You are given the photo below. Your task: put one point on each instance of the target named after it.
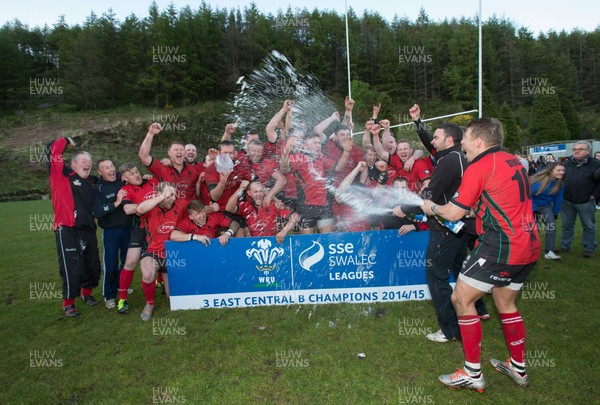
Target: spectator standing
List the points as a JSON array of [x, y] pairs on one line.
[[547, 191], [581, 190]]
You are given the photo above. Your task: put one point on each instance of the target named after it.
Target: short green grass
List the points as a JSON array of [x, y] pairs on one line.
[[295, 354]]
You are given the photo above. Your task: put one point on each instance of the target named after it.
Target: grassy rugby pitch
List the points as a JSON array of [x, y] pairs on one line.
[[294, 354]]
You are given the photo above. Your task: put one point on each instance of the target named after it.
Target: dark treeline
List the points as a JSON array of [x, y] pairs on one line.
[[189, 56]]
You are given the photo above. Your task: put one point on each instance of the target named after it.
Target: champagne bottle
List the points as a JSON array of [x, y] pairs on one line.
[[417, 217], [453, 226]]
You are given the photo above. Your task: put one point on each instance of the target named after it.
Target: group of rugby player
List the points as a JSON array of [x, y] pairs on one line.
[[303, 180]]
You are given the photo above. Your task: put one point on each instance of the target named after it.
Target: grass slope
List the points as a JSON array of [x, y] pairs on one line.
[[295, 354]]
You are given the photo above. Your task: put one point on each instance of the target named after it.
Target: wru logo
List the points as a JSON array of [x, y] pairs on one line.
[[264, 255]]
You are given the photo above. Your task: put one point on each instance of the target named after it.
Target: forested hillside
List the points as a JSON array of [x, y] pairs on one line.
[[174, 59]]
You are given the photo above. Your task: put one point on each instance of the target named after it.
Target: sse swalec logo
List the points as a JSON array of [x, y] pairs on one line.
[[311, 256]]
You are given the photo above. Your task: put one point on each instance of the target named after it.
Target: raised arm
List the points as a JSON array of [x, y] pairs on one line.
[[349, 105], [272, 125], [381, 152], [284, 162], [366, 141], [364, 175], [386, 134], [347, 146], [376, 109], [217, 191], [292, 222], [233, 200], [322, 126], [348, 180], [199, 182], [424, 135], [144, 152], [228, 132], [289, 118], [148, 205], [280, 182]]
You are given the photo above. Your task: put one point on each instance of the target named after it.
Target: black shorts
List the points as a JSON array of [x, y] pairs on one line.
[[315, 215], [161, 262], [291, 203], [484, 274], [138, 238], [235, 217]]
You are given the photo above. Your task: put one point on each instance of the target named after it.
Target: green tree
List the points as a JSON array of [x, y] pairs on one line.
[[86, 83], [567, 108], [365, 98], [547, 123], [13, 80], [512, 132], [460, 75], [489, 106]]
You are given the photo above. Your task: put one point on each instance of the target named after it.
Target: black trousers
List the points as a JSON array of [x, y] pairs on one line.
[[78, 260], [445, 251]]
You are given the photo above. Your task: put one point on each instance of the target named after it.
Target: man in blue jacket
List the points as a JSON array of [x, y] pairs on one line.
[[115, 224]]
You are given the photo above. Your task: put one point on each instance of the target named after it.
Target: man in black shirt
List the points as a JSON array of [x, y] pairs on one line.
[[446, 250]]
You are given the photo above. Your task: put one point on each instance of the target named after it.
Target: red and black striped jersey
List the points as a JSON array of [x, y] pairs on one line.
[[497, 187]]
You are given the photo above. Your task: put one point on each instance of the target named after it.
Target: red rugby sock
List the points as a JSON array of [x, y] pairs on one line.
[[514, 333], [125, 279], [149, 290], [471, 333]]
